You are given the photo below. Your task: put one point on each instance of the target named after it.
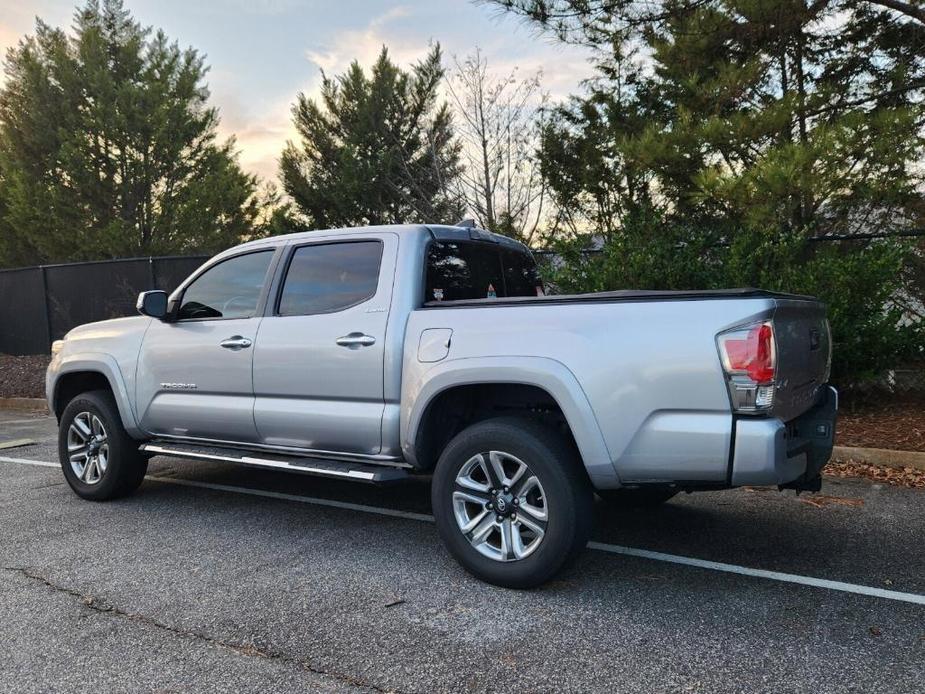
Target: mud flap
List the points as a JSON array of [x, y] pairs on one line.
[[813, 434]]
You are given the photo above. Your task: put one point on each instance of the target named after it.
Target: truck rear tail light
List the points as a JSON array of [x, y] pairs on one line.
[[749, 359], [749, 351]]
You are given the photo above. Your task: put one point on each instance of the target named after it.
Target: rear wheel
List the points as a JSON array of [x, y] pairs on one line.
[[99, 459], [512, 501], [643, 497]]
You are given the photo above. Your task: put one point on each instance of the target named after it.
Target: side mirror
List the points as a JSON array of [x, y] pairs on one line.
[[153, 303]]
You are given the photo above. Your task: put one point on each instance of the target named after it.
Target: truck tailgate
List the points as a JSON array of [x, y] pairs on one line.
[[803, 345]]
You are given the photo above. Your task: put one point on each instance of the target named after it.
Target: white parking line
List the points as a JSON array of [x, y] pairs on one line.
[[761, 573], [315, 501], [599, 546], [23, 461]]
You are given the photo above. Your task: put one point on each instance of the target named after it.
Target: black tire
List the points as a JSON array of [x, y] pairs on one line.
[[642, 498], [568, 499], [125, 468]]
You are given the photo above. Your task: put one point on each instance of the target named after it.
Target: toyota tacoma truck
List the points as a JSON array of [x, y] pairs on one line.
[[372, 354]]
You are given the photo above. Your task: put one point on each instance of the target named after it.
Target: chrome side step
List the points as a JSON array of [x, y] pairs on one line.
[[335, 469]]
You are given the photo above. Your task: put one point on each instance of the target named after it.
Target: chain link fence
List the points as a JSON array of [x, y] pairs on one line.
[[40, 304]]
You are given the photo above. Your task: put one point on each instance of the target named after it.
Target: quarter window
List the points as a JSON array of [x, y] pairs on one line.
[[324, 278], [230, 289]]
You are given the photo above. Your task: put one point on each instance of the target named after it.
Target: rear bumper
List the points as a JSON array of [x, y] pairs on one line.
[[791, 454]]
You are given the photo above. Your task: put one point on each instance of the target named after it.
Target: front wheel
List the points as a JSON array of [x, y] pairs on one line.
[[512, 501], [99, 459]]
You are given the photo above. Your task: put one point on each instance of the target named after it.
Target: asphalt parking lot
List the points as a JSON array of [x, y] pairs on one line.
[[229, 579]]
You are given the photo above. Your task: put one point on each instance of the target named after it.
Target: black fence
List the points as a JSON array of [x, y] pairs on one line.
[[40, 304]]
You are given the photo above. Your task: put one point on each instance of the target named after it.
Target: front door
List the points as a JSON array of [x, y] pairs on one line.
[[194, 374], [318, 361]]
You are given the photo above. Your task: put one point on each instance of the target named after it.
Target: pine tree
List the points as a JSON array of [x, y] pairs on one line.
[[108, 147], [376, 149]]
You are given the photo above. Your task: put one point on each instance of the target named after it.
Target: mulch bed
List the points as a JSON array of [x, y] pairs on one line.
[[899, 426], [23, 377]]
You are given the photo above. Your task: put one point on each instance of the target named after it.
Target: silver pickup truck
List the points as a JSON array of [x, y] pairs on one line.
[[375, 353]]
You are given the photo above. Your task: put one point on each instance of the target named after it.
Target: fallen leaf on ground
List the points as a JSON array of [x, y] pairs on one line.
[[508, 659], [821, 500], [896, 476]]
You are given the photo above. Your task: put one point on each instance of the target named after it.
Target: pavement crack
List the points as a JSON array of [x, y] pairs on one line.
[[100, 606]]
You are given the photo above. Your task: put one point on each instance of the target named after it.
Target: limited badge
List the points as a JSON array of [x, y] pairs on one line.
[[438, 294], [492, 294]]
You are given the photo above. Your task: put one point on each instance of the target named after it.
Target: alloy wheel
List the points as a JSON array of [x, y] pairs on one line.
[[88, 447], [500, 506]]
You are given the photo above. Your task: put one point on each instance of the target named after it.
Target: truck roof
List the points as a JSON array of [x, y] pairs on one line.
[[441, 232]]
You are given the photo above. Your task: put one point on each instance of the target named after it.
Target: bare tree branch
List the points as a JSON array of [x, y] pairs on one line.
[[913, 10], [498, 119]]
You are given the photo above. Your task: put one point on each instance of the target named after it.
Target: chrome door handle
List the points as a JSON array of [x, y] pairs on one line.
[[354, 340], [236, 342]]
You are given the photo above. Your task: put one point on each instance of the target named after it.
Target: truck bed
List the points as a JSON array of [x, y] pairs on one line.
[[623, 295]]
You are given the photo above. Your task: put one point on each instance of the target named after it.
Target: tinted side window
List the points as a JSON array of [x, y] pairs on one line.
[[520, 275], [463, 271], [330, 277], [230, 289]]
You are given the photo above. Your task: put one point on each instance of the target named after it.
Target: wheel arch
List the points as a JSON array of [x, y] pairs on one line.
[[538, 386], [81, 373]]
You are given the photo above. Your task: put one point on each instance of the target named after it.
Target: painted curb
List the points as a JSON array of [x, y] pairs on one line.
[[24, 404], [883, 457]]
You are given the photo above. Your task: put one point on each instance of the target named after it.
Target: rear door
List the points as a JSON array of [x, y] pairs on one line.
[[194, 374], [318, 359]]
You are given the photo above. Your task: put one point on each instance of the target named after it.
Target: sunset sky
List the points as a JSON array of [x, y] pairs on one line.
[[263, 52]]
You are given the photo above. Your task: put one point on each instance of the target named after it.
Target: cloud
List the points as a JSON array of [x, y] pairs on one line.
[[261, 138], [364, 45], [561, 71], [260, 130]]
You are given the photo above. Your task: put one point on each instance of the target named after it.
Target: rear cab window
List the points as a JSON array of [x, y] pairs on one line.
[[460, 270], [521, 277]]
